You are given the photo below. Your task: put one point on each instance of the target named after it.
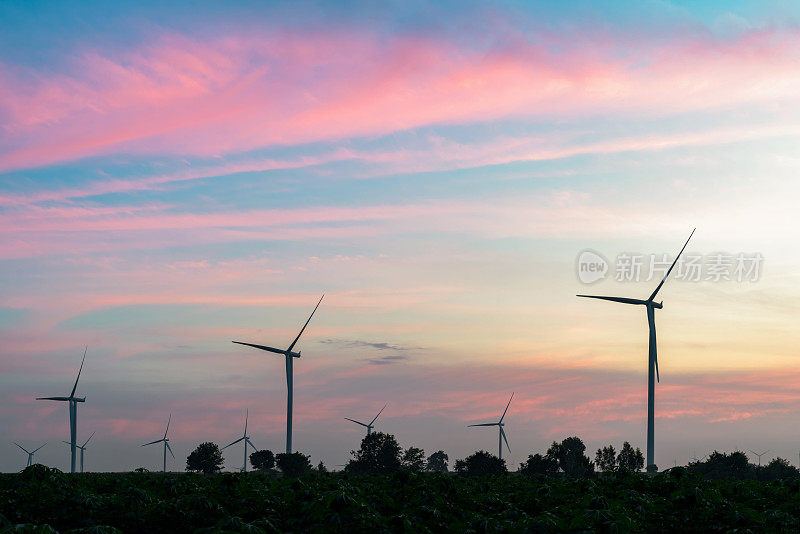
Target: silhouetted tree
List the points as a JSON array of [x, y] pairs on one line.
[[777, 469], [413, 460], [570, 457], [537, 464], [481, 463], [379, 453], [630, 459], [293, 464], [206, 458], [262, 460], [721, 465], [606, 458], [438, 462], [321, 467]]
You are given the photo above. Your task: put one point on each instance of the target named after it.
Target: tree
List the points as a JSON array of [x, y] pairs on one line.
[[206, 458], [481, 463], [262, 460], [777, 469], [379, 453], [570, 457], [606, 458], [413, 460], [321, 467], [537, 464], [721, 465], [630, 459], [438, 462], [293, 464]]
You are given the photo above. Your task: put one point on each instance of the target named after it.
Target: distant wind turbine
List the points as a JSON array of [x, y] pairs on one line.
[[30, 453], [73, 413], [759, 455], [289, 373], [165, 439], [369, 425], [499, 425], [247, 442], [82, 448], [652, 374]]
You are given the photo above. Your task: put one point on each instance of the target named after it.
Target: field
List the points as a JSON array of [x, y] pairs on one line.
[[400, 502]]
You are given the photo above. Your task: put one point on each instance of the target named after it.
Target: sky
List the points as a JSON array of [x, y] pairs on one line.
[[176, 177]]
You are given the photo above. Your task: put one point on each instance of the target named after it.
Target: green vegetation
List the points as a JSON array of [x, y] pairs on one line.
[[206, 458]]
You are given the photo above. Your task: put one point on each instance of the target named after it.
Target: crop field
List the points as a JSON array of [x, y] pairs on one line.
[[45, 500]]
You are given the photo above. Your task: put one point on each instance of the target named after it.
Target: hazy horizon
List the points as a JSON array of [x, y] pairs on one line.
[[174, 178]]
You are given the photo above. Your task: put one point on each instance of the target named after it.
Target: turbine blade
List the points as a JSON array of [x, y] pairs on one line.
[[246, 415], [167, 430], [356, 422], [379, 413], [653, 348], [79, 372], [234, 443], [486, 424], [502, 433], [262, 347], [305, 325], [87, 441], [53, 398], [20, 446], [248, 442], [152, 442], [671, 266], [34, 450], [615, 299], [507, 405], [170, 449]]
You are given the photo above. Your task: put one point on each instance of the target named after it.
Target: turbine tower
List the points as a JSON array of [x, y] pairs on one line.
[[759, 454], [165, 439], [652, 373], [289, 373], [30, 453], [502, 435], [82, 448], [73, 414], [247, 442], [371, 423]]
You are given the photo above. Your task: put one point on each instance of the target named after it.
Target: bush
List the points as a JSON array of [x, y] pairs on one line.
[[293, 464], [262, 460], [481, 463], [537, 464], [437, 462], [206, 458]]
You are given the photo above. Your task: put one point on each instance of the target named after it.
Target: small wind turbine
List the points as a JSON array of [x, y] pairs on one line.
[[289, 373], [370, 425], [166, 444], [73, 413], [759, 455], [30, 453], [652, 373], [247, 442], [82, 448], [499, 425]]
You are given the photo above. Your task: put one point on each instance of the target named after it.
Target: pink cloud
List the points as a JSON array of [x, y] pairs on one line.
[[236, 94]]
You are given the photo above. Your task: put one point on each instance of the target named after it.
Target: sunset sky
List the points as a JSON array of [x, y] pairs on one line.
[[173, 178]]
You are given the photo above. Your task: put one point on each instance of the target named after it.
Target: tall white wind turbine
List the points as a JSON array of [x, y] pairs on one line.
[[29, 453], [369, 426], [165, 439], [652, 373], [289, 355], [246, 440], [759, 454], [82, 448], [72, 401], [502, 435]]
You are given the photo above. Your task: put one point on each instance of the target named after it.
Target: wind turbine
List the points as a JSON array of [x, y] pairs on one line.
[[82, 448], [30, 453], [502, 434], [289, 374], [759, 455], [73, 413], [652, 374], [371, 423], [166, 444], [247, 442]]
